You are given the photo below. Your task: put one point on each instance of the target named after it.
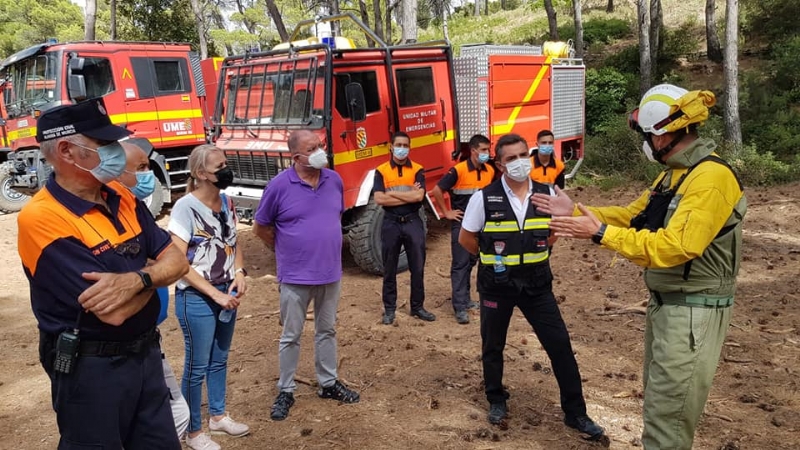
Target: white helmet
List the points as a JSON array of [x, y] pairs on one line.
[[656, 106]]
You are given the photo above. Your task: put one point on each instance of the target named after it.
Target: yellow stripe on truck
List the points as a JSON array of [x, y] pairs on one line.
[[509, 125], [384, 149], [13, 135], [175, 114]]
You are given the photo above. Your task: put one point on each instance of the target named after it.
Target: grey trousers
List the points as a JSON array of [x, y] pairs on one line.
[[294, 300]]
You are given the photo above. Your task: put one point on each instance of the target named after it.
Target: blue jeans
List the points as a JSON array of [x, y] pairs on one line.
[[207, 343]]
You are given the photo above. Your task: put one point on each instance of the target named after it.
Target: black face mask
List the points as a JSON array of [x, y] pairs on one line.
[[224, 178]]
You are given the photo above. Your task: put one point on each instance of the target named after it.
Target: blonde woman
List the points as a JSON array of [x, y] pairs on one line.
[[203, 226]]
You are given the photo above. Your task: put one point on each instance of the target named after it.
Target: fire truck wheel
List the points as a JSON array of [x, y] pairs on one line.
[[156, 201], [365, 239], [10, 200]]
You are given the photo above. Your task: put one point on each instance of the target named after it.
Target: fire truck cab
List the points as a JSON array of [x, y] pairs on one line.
[[154, 89], [355, 98]]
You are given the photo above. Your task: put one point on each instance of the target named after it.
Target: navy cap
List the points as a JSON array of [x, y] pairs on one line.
[[88, 118]]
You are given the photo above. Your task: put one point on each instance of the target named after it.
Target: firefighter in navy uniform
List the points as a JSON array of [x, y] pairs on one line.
[[400, 189], [463, 180], [511, 237]]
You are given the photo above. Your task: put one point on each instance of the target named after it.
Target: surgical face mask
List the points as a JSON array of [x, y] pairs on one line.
[[224, 178], [546, 149], [519, 170], [483, 158], [648, 151], [112, 161], [145, 184], [400, 152], [318, 159]]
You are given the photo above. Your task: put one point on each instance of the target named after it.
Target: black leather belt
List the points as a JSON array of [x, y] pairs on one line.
[[117, 348], [405, 218]]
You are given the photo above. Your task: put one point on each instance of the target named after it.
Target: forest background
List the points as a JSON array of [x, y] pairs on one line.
[[747, 52]]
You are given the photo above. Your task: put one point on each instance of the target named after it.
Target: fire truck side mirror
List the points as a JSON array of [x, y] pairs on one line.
[[356, 105], [76, 84]]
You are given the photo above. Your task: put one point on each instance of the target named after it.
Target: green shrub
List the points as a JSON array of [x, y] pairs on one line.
[[758, 168], [787, 67], [606, 97], [605, 30], [769, 116]]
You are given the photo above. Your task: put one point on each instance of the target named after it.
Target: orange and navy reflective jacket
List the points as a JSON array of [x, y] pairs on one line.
[[552, 173], [62, 236], [391, 176], [463, 180]]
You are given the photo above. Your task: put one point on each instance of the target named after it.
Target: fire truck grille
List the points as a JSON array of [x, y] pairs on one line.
[[256, 168]]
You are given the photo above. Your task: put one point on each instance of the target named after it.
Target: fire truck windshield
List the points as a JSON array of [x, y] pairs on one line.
[[274, 94], [31, 84]]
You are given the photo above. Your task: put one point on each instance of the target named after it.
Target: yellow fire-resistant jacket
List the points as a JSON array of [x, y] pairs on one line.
[[705, 204]]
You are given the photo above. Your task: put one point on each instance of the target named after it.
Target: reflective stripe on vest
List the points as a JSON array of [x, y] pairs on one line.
[[511, 225], [513, 260], [464, 191]]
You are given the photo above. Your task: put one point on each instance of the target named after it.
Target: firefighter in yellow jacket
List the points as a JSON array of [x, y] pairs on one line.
[[686, 231], [399, 187], [463, 180]]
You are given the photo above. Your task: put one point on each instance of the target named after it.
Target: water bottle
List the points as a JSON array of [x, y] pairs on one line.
[[226, 315], [499, 267]]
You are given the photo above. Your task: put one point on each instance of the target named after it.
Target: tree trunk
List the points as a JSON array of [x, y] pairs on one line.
[[197, 11], [408, 10], [376, 9], [610, 6], [333, 9], [477, 8], [713, 47], [485, 7], [733, 127], [362, 7], [576, 4], [90, 19], [445, 28], [113, 25], [645, 75], [390, 7], [656, 22], [552, 23], [277, 19]]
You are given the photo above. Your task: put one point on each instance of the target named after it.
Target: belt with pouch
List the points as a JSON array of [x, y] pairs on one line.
[[695, 300]]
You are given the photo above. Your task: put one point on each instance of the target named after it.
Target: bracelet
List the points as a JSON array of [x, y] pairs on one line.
[[242, 270]]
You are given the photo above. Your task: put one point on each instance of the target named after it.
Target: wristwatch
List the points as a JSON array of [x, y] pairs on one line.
[[242, 270], [146, 280], [597, 238]]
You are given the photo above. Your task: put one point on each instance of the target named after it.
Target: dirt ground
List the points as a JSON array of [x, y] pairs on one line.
[[420, 383]]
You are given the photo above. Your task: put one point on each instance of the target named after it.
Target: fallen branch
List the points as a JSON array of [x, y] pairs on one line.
[[784, 331], [719, 416], [628, 310], [731, 359]]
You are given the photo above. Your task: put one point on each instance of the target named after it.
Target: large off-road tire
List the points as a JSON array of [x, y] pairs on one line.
[[365, 239], [11, 201], [156, 200]]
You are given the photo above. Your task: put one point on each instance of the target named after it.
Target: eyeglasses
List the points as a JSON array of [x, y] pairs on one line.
[[128, 249]]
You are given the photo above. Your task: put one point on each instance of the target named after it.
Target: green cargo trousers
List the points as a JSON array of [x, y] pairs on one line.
[[682, 346]]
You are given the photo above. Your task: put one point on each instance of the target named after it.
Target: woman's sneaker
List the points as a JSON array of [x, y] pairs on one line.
[[201, 442], [228, 426], [339, 392]]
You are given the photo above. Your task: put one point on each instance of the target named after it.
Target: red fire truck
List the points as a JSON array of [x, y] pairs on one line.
[[157, 90], [355, 98]]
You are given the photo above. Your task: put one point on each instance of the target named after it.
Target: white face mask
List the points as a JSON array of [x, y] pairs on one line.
[[648, 151], [519, 170], [318, 159]]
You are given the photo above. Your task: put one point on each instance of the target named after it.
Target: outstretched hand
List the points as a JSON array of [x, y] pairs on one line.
[[579, 227], [558, 205]]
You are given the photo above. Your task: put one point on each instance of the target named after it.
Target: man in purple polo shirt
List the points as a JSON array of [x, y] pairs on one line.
[[299, 217]]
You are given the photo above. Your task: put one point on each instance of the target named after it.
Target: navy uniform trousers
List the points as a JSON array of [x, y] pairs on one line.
[[399, 232]]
